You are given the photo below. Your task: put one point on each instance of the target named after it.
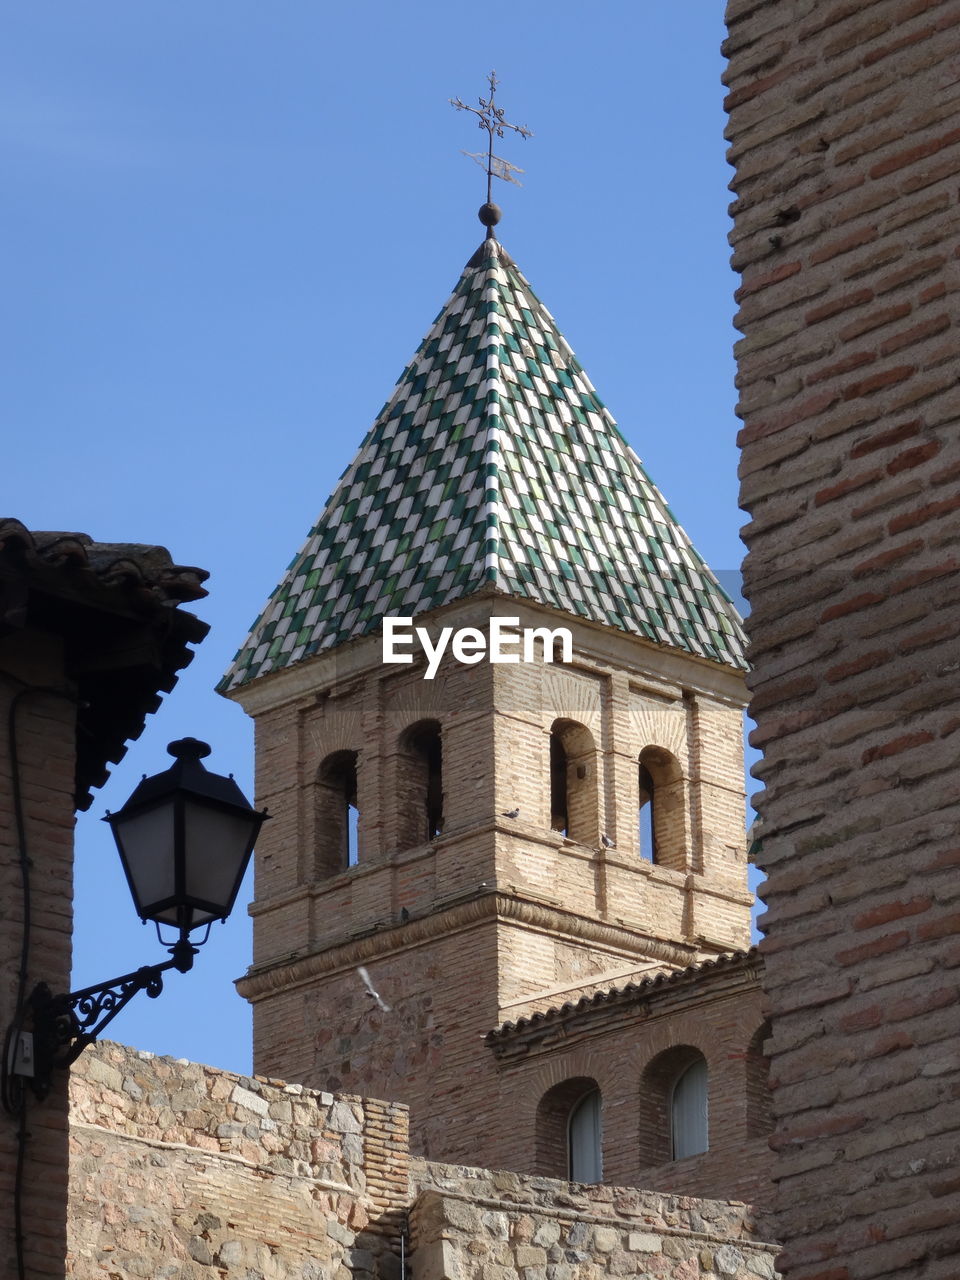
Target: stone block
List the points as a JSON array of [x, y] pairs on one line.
[[644, 1242], [546, 1234], [605, 1239], [250, 1101]]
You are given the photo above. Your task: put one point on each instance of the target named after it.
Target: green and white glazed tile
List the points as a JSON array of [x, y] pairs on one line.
[[494, 463]]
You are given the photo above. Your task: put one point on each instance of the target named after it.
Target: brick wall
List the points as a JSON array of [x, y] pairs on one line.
[[844, 139], [633, 1048], [45, 746], [470, 1224], [184, 1171], [497, 916]]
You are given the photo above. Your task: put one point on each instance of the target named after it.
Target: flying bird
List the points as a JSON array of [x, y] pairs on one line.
[[371, 990], [511, 813]]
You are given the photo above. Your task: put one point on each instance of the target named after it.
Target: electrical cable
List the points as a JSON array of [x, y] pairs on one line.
[[18, 1235], [14, 1092]]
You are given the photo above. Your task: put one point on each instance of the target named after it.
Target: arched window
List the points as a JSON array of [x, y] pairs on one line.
[[663, 837], [648, 848], [673, 1106], [573, 782], [688, 1111], [759, 1100], [337, 815], [419, 784], [569, 1138], [584, 1155], [558, 783]]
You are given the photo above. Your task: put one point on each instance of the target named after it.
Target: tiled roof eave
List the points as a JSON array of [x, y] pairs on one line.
[[116, 610], [661, 985]]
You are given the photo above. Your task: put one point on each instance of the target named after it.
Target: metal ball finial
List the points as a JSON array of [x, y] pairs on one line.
[[489, 214]]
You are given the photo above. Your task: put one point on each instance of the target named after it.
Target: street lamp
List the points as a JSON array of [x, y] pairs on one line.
[[185, 837]]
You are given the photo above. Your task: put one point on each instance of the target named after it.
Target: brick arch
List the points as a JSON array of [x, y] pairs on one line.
[[659, 726], [570, 697], [419, 783], [661, 781], [656, 1088], [554, 1110], [574, 782], [335, 794], [327, 732], [582, 1062]]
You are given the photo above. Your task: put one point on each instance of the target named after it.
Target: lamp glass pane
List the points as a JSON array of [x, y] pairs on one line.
[[146, 842], [216, 845]]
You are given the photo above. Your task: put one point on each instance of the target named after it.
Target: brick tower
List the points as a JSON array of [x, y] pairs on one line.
[[502, 838]]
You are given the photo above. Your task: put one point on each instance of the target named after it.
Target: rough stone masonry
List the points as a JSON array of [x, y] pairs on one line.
[[183, 1172]]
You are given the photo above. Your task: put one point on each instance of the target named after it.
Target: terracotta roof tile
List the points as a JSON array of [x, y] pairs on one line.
[[631, 991], [115, 605]]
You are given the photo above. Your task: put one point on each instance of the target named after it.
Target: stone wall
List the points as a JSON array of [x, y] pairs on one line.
[[844, 138], [470, 1223], [182, 1171], [44, 728]]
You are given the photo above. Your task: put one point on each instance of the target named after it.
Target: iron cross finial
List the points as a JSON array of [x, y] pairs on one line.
[[491, 117]]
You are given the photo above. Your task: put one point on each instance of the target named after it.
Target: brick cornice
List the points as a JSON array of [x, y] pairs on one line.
[[454, 917], [646, 663]]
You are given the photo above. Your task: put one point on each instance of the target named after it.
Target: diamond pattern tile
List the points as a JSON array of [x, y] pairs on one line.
[[493, 462]]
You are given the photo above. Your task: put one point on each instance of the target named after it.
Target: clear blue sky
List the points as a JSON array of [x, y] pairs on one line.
[[227, 227]]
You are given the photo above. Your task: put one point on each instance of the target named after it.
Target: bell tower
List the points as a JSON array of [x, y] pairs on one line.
[[485, 840]]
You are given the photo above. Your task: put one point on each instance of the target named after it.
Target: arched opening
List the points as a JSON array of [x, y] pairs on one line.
[[662, 827], [558, 784], [648, 847], [673, 1107], [569, 1131], [688, 1111], [337, 815], [584, 1150], [573, 782], [759, 1099], [419, 784]]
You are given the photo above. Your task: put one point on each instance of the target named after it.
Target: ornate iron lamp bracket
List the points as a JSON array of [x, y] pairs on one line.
[[65, 1024]]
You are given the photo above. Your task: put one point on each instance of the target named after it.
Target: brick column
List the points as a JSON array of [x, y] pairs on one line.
[[844, 139], [44, 728]]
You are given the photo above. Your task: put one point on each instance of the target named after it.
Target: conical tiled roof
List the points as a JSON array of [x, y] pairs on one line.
[[494, 463]]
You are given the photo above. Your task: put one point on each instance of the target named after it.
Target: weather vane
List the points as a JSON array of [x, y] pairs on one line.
[[491, 117]]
